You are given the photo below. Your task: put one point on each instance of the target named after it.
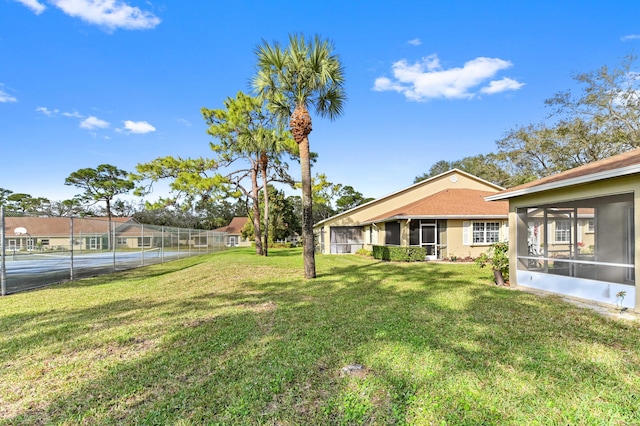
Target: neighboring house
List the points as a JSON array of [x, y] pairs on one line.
[[446, 214], [574, 233], [50, 233], [234, 232], [55, 233]]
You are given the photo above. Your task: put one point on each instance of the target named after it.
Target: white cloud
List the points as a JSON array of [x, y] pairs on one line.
[[503, 85], [34, 5], [630, 37], [92, 122], [110, 14], [74, 114], [185, 122], [138, 127], [46, 111], [415, 42], [427, 79], [56, 113], [5, 97]]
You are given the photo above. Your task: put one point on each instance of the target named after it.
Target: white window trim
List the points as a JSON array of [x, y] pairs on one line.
[[555, 232], [467, 232]]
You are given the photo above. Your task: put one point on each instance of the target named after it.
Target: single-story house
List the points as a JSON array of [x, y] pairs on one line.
[[574, 233], [233, 230], [51, 233], [446, 214], [92, 233]]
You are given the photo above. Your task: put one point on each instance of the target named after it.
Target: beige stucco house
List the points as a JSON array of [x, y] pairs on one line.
[[446, 214], [233, 231], [52, 233], [27, 233], [574, 233]]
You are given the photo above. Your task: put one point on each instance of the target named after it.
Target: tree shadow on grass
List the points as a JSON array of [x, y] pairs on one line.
[[437, 346]]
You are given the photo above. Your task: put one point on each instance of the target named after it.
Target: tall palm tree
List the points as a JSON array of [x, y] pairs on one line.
[[304, 75]]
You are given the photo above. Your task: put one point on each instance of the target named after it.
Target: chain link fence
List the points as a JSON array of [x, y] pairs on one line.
[[39, 251]]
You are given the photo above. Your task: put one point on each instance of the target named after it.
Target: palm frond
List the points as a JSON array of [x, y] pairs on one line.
[[307, 72]]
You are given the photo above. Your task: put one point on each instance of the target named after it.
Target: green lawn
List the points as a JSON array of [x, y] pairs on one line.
[[232, 338]]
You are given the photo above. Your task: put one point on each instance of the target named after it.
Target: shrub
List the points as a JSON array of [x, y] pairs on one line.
[[497, 257], [400, 254], [281, 245], [364, 252]]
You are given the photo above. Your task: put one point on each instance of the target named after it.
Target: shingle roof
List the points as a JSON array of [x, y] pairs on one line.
[[53, 226], [423, 183], [235, 226], [609, 167], [451, 203]]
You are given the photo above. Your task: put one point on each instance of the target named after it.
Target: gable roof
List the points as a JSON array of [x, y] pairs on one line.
[[61, 226], [619, 165], [449, 203], [411, 187], [235, 226]]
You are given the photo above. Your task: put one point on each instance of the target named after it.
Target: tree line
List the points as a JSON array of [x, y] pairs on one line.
[[600, 120]]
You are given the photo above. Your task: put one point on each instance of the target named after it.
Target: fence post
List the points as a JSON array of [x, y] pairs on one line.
[[162, 244], [142, 245], [71, 244], [113, 239], [3, 284]]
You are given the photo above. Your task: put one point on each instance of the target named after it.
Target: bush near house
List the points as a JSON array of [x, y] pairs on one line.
[[497, 256], [400, 254]]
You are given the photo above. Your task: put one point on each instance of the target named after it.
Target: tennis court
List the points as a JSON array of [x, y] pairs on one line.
[[25, 271], [38, 251]]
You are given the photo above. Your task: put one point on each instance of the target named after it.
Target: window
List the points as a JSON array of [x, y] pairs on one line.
[[121, 241], [392, 234], [591, 226], [486, 232], [563, 231], [200, 241], [345, 239], [44, 242], [144, 241]]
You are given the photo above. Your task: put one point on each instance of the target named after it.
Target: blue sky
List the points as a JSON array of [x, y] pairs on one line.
[[86, 82]]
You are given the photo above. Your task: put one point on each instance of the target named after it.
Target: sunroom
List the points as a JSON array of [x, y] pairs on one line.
[[574, 233]]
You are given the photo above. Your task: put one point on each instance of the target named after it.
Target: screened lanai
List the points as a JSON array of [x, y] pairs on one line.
[[591, 239], [574, 232]]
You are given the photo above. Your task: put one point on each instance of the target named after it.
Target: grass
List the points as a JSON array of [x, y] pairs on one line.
[[232, 338]]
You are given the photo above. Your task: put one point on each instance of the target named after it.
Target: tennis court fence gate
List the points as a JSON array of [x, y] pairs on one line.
[[39, 251]]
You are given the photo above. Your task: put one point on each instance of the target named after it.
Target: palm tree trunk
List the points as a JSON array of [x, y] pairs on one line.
[[307, 214]]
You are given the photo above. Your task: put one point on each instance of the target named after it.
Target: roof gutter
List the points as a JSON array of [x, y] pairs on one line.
[[409, 218], [608, 174]]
